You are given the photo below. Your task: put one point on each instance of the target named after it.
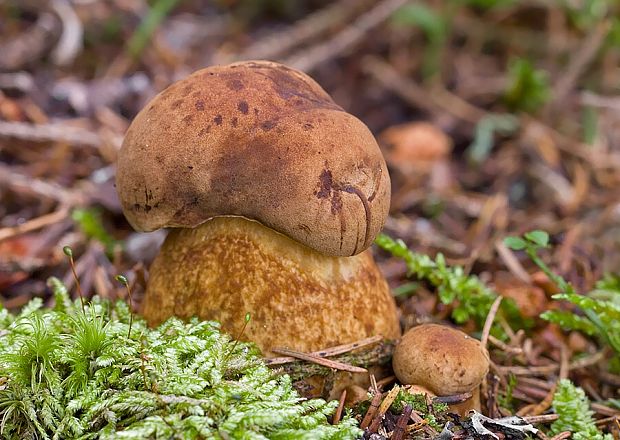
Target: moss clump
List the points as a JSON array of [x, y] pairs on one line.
[[572, 405], [68, 373]]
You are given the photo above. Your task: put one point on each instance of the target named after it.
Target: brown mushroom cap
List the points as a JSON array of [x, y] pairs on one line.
[[440, 358], [258, 140]]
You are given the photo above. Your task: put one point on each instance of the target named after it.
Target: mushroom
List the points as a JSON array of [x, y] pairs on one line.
[[443, 360], [274, 193]]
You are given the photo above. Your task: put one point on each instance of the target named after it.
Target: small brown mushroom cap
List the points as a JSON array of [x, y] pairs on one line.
[[258, 140], [440, 358]]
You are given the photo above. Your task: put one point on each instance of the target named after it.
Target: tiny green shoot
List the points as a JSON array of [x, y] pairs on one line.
[[602, 316], [69, 253], [246, 320], [123, 280]]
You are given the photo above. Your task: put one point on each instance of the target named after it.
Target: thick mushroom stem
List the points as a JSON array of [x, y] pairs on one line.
[[445, 361], [298, 298]]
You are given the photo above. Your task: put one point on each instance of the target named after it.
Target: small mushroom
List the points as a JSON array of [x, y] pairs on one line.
[[443, 360], [274, 193]]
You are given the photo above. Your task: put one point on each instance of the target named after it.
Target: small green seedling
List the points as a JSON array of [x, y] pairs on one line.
[[532, 240], [247, 318], [123, 280], [69, 253], [602, 317]]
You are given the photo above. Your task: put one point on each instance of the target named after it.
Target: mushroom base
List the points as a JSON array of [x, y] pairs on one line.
[[297, 297]]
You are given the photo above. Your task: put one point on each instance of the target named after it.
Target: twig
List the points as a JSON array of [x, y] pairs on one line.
[[569, 145], [373, 384], [320, 361], [544, 418], [606, 421], [50, 133], [338, 414], [310, 59], [562, 436], [372, 409], [70, 42], [401, 424], [555, 181], [407, 89], [548, 369], [605, 410], [511, 262], [545, 404], [332, 351], [488, 323], [504, 347], [436, 102], [385, 405], [385, 381], [580, 61], [422, 423], [34, 224], [606, 102], [457, 105], [10, 178], [277, 44], [379, 354], [30, 45], [453, 399]]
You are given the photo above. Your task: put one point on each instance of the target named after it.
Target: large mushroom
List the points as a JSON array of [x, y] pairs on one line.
[[274, 193], [443, 360]]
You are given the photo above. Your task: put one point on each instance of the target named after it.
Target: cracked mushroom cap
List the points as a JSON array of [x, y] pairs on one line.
[[442, 359], [260, 140]]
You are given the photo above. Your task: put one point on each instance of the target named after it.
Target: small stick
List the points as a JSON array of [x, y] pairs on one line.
[[328, 352], [580, 60], [562, 436], [385, 381], [423, 424], [338, 414], [488, 323], [451, 400], [512, 262], [385, 405], [417, 425], [247, 318], [373, 384], [372, 409], [320, 361], [542, 406], [69, 253], [604, 410], [607, 420], [309, 58], [34, 224], [50, 133], [401, 424], [543, 418], [538, 370], [123, 280], [505, 347]]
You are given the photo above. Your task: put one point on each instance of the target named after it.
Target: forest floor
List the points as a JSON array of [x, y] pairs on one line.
[[495, 117]]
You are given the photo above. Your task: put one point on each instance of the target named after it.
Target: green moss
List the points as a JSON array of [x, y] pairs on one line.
[[419, 404], [65, 373], [573, 408]]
